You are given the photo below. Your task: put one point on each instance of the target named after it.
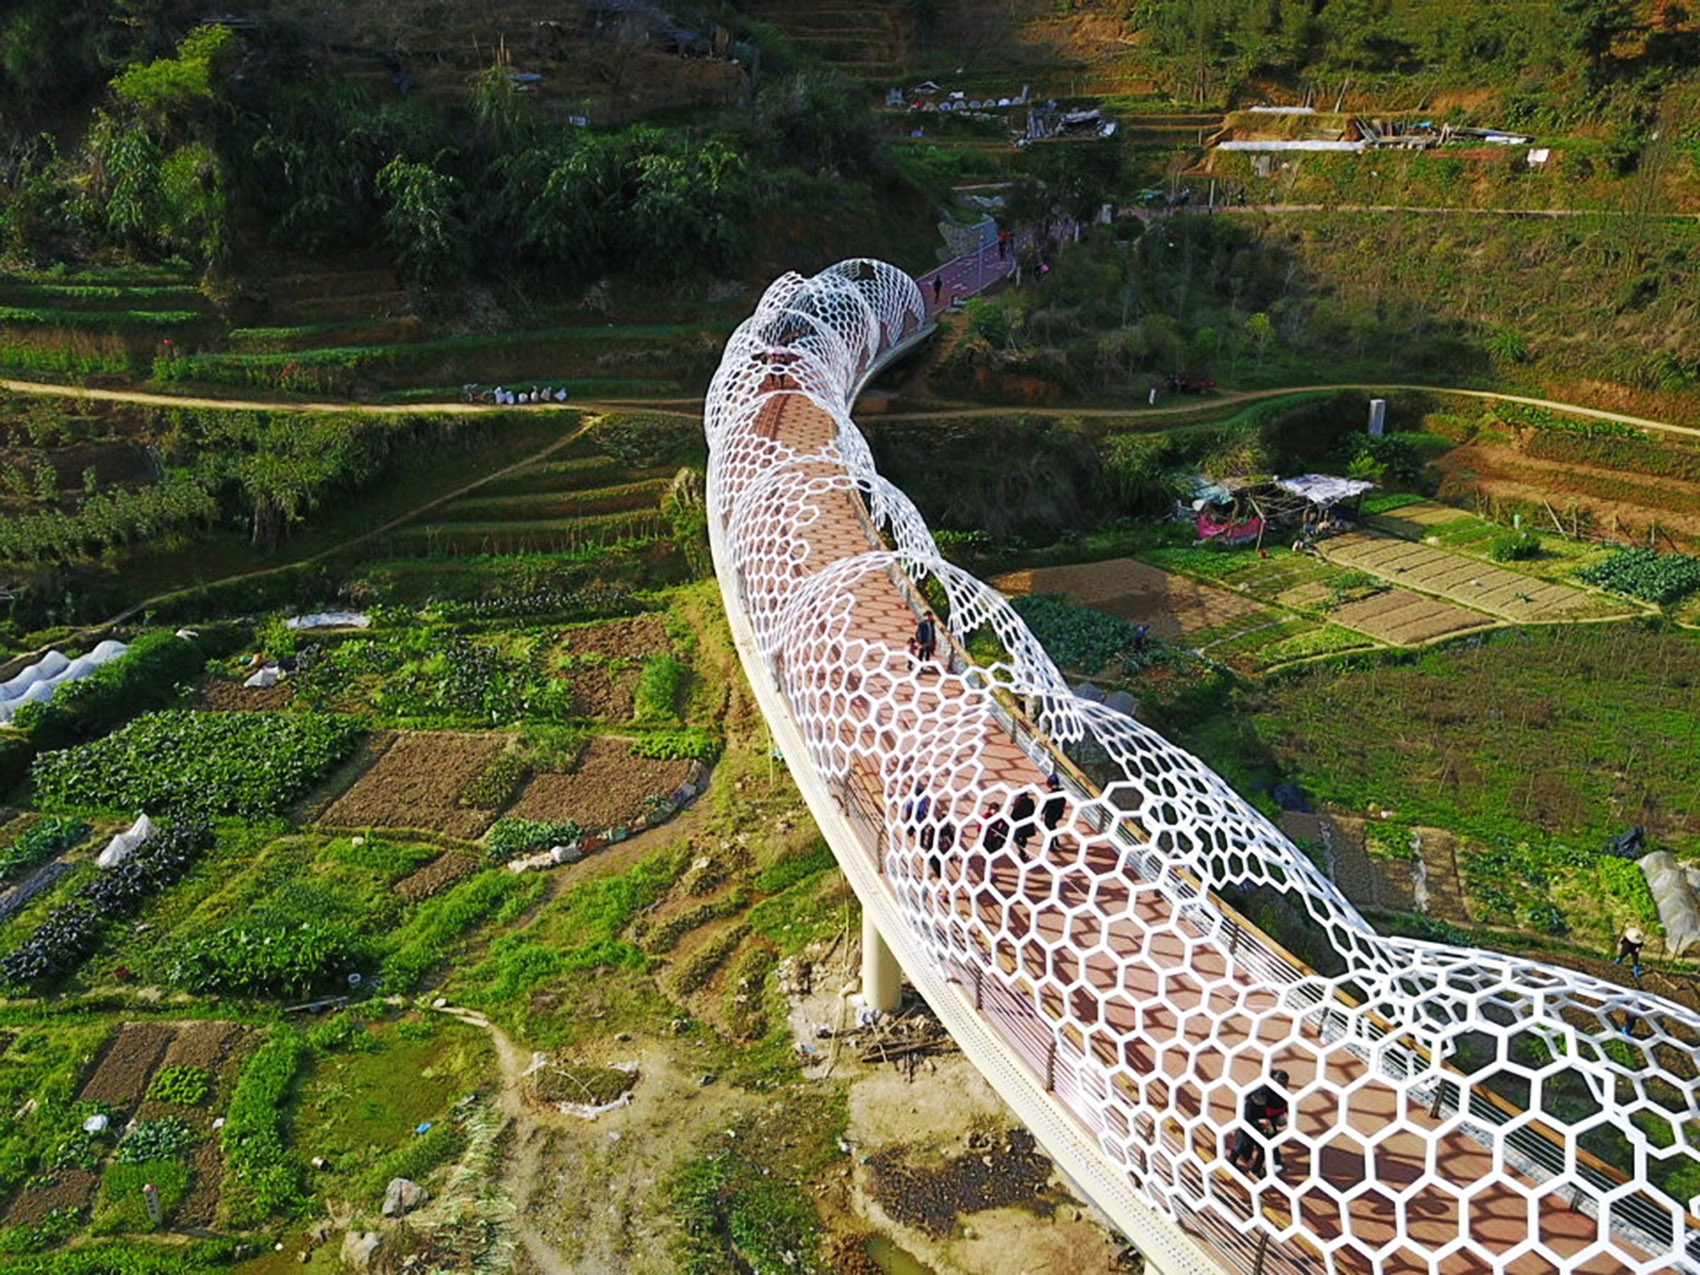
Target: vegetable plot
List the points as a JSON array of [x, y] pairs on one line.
[[73, 929], [1642, 573], [244, 764]]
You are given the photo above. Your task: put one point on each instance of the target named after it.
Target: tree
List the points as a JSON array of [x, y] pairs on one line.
[[171, 88], [1261, 330], [422, 220], [1595, 26]]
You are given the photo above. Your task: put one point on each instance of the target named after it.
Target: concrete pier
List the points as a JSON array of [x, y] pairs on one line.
[[882, 980]]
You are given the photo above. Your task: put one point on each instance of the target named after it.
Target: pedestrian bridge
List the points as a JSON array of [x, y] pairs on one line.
[[1454, 1111]]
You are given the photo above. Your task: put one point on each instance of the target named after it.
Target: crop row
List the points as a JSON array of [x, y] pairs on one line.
[[64, 352], [257, 1171], [109, 520], [1643, 573], [38, 844], [73, 929], [96, 320], [536, 506], [455, 679], [591, 535], [245, 764]]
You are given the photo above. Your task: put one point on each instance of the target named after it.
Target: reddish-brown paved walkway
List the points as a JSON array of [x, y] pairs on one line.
[[1157, 995]]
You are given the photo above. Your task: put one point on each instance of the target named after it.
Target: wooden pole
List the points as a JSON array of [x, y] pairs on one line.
[[1262, 1253]]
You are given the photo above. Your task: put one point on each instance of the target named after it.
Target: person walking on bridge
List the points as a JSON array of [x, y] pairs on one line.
[[1262, 1115]]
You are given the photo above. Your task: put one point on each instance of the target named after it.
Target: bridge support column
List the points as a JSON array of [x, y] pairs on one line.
[[882, 980]]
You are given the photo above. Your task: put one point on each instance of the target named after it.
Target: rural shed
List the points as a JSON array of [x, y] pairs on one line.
[[1324, 490]]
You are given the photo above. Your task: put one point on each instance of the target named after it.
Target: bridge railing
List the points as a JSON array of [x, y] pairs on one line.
[[1069, 1075], [1169, 1153]]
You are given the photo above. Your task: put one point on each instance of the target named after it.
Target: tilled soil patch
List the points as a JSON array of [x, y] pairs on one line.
[[1004, 1173], [439, 874], [123, 1072], [417, 783], [1405, 618], [71, 1189], [209, 1045], [1171, 605], [635, 637], [606, 791], [205, 1044], [603, 693], [224, 696], [200, 1205]]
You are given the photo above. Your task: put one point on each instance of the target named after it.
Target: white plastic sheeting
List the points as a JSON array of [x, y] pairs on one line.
[[1679, 915], [270, 675], [127, 843], [330, 620], [37, 683]]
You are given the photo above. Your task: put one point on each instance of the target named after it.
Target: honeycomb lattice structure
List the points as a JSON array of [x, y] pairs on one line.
[[1451, 1109]]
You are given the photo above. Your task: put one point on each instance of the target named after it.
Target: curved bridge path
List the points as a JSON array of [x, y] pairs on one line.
[[1096, 976]]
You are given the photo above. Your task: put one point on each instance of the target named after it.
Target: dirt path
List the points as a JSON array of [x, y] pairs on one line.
[[524, 1161], [1249, 396], [691, 407]]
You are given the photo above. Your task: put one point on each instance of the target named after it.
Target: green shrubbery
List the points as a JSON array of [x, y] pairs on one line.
[[656, 696], [148, 675], [439, 923], [258, 1178], [122, 1208], [510, 837], [166, 1139], [39, 843], [1515, 546], [1075, 637], [493, 787], [181, 1083], [269, 954], [1624, 881], [677, 745]]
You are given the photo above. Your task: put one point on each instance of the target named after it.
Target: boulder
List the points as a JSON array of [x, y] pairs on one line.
[[359, 1248], [403, 1197]]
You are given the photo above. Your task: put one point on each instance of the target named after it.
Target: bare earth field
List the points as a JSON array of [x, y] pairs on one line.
[[605, 791], [1405, 618], [416, 784], [1623, 504], [1173, 607], [1470, 581], [437, 875]]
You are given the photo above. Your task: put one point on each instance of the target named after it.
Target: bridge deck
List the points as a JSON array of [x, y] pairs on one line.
[[1015, 910]]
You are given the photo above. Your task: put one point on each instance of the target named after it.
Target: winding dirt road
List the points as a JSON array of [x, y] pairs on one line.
[[672, 407]]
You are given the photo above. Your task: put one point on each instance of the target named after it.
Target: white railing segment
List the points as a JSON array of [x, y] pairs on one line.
[[1461, 1109]]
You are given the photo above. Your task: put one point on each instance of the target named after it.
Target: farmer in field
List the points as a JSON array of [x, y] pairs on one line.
[[1629, 949]]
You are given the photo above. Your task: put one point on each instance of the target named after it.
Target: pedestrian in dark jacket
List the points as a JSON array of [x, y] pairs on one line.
[[1262, 1114], [1056, 804], [1021, 814]]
